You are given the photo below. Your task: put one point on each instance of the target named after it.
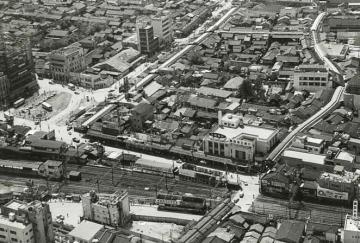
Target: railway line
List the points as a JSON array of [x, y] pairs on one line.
[[315, 213], [137, 181]]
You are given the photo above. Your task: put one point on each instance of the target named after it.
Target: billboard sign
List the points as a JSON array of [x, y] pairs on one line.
[[327, 193]]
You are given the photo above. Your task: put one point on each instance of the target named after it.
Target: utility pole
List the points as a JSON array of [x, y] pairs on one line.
[[112, 173]]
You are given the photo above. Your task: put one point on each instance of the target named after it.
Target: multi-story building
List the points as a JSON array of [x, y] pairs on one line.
[[67, 60], [109, 209], [18, 78], [232, 139], [140, 114], [337, 186], [147, 42], [313, 145], [311, 77], [4, 91], [163, 29], [352, 226], [12, 230], [35, 213]]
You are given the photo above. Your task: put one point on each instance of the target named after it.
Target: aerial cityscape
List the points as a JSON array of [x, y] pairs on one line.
[[191, 121]]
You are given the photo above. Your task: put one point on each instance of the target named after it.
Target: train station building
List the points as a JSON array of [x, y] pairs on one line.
[[234, 139]]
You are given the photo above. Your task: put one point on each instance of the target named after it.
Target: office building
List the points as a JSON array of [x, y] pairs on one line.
[[35, 213], [162, 26], [147, 42], [109, 209], [311, 77], [67, 60], [232, 139], [17, 79]]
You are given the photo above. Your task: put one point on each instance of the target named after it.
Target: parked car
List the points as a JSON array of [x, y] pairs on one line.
[[76, 140]]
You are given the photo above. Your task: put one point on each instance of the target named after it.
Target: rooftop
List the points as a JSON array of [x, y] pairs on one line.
[[346, 177], [259, 132], [351, 223], [15, 205], [305, 156], [86, 230], [14, 224]]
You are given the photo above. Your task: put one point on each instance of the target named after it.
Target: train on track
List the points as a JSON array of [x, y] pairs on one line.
[[185, 203], [188, 172]]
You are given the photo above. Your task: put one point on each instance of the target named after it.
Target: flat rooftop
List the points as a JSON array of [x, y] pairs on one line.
[[305, 156], [86, 230], [13, 224], [259, 132], [14, 205], [352, 224]]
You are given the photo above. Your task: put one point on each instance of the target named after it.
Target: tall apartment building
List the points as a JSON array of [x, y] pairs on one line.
[[311, 77], [109, 209], [67, 60], [18, 74], [26, 222], [147, 42], [4, 91], [162, 26]]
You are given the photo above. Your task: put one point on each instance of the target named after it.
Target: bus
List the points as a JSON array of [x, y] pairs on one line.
[[47, 106], [19, 102], [71, 86]]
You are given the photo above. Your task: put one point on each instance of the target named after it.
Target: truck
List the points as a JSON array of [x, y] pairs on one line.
[[71, 86], [47, 106]]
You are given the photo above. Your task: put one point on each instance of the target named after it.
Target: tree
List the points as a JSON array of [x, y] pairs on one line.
[[246, 90], [195, 59]]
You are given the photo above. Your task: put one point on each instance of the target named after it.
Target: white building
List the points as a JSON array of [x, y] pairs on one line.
[[85, 232], [109, 209], [162, 26], [12, 230], [352, 226], [311, 77], [62, 62], [232, 139], [313, 145], [35, 213]]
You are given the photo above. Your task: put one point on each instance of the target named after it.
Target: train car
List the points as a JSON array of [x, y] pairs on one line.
[[186, 203], [201, 174], [153, 166]]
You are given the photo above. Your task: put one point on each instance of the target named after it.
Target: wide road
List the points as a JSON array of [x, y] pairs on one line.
[[337, 96], [145, 81]]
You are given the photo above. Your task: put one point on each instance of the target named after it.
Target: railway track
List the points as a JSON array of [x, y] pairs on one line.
[[136, 181], [316, 213]]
